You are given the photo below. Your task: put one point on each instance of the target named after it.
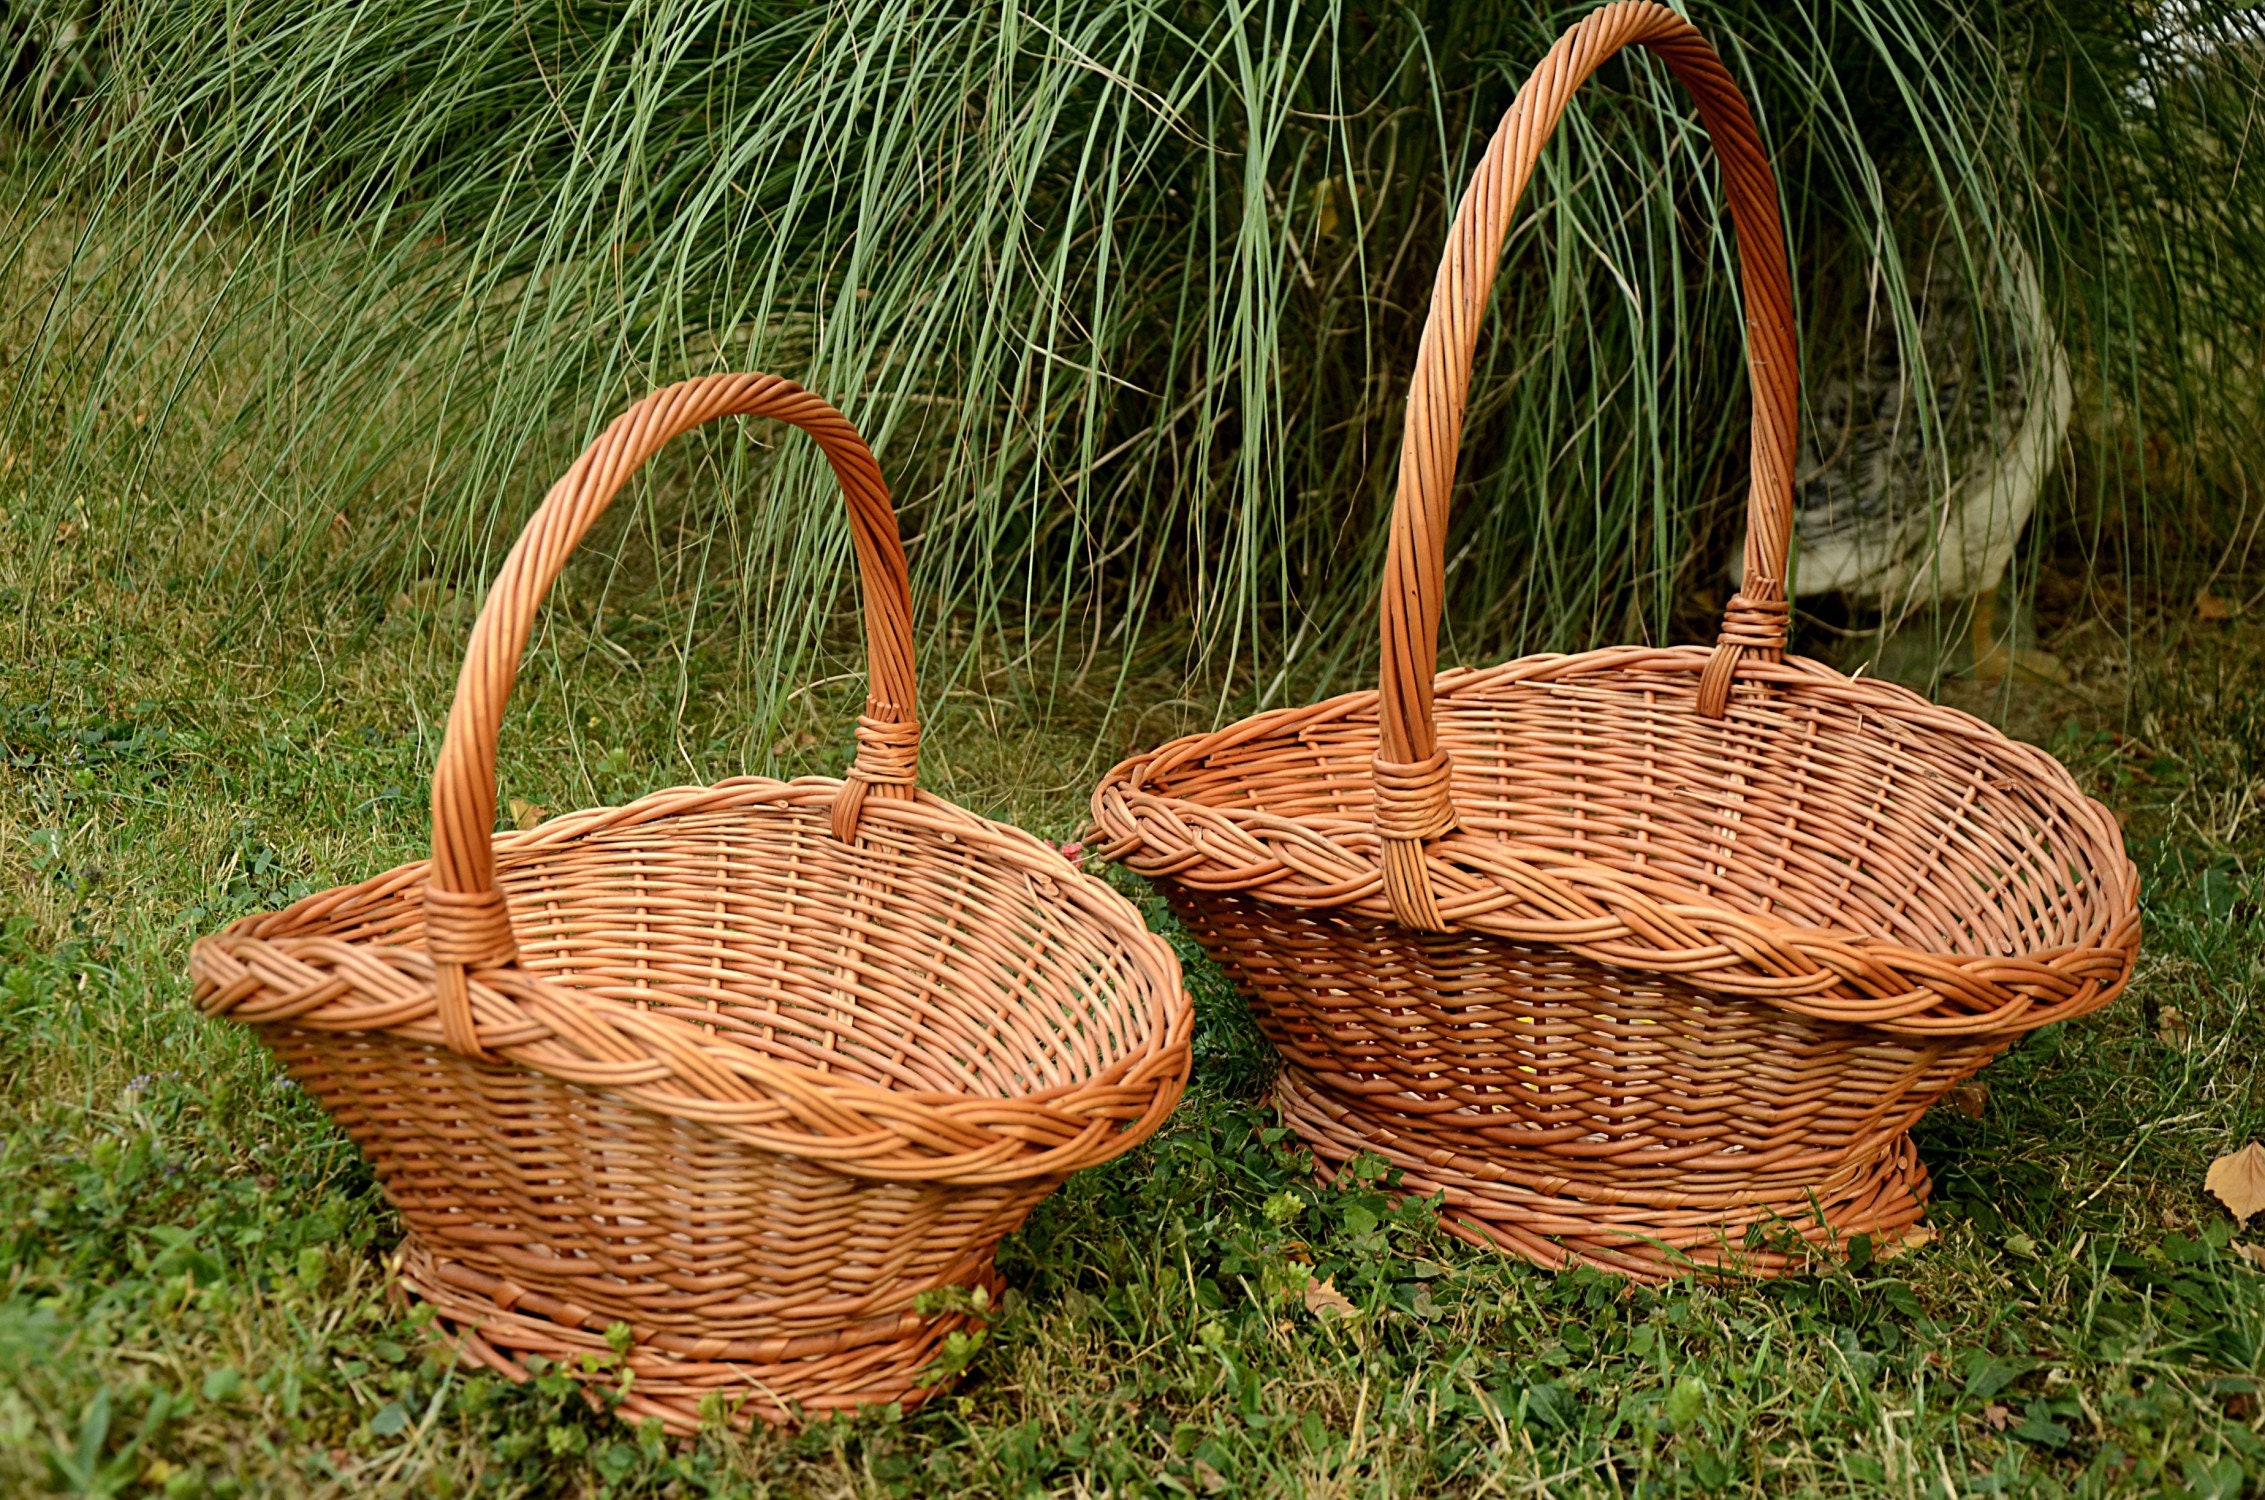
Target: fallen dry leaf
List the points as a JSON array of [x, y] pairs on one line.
[[1324, 1301], [1917, 1237], [1211, 1479], [788, 744], [1997, 1418], [526, 814], [1970, 1099], [2170, 1026], [2238, 1180], [1999, 663], [2254, 1254], [2208, 606]]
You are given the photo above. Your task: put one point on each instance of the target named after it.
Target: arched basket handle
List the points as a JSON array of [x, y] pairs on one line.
[[1414, 801], [466, 924]]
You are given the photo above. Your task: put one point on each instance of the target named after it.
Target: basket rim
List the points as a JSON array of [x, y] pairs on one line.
[[266, 969], [1495, 886]]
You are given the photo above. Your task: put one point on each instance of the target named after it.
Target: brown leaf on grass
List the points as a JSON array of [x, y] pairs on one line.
[[1325, 1302], [2254, 1254], [2208, 606], [1211, 1479], [1969, 1099], [787, 744], [2170, 1026], [1996, 1417], [2238, 1181], [526, 815], [1917, 1237]]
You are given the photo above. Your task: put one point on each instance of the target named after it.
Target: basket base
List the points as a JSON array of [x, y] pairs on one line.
[[1762, 1227], [490, 1326]]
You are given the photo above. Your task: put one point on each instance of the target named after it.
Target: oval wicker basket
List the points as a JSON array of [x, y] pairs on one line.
[[747, 1067], [1645, 958]]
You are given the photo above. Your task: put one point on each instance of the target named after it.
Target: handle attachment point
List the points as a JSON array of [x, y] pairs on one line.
[[888, 755], [1414, 805], [465, 930], [471, 929], [1749, 624]]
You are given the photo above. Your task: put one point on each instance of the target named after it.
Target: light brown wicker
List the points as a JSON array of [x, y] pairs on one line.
[[1646, 958], [747, 1067]]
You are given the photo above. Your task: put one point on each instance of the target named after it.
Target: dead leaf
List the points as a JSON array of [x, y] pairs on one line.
[[2170, 1026], [1325, 1302], [1970, 1099], [2238, 1180], [2208, 606], [787, 744], [1997, 1418], [1999, 663], [2254, 1254], [1211, 1479], [526, 814], [1917, 1237]]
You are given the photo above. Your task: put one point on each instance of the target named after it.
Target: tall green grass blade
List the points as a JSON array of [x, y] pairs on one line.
[[1123, 291]]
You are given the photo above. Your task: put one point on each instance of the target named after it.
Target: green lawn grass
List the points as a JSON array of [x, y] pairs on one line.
[[193, 1262]]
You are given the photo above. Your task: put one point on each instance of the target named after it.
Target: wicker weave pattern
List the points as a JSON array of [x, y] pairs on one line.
[[1630, 951], [746, 1067], [1838, 848]]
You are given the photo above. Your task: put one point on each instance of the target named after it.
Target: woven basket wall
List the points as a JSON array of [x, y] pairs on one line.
[[1645, 958], [746, 1068]]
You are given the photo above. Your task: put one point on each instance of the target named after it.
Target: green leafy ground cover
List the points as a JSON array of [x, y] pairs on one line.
[[192, 1261]]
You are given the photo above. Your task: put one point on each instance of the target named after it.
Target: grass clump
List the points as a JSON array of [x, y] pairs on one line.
[[1125, 293]]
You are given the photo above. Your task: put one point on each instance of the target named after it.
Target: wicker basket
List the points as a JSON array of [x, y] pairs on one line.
[[1644, 958], [747, 1068]]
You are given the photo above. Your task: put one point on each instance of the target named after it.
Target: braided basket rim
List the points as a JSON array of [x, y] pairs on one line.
[[1500, 888], [538, 1023]]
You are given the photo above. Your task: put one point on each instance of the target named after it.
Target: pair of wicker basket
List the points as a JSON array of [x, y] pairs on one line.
[[1643, 958]]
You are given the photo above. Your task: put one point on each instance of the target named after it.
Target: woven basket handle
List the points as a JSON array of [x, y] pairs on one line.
[[1414, 802], [466, 925]]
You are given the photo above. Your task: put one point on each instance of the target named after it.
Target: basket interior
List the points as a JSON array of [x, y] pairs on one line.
[[908, 961], [1858, 807]]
